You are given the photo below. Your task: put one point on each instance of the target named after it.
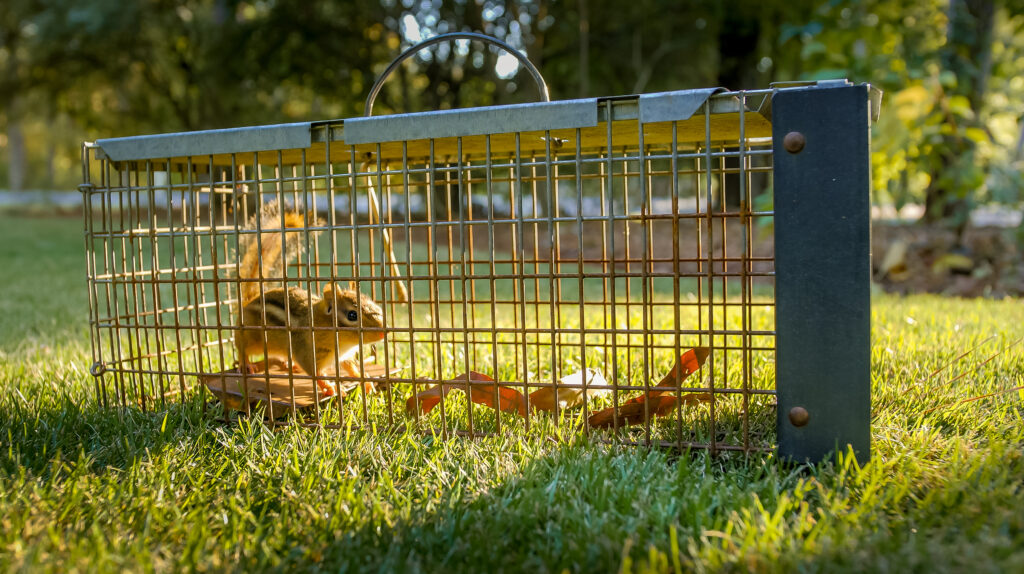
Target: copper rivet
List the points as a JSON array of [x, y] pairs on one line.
[[794, 142], [799, 416]]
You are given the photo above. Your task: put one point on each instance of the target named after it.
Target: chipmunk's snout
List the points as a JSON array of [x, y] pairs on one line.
[[373, 324], [375, 319]]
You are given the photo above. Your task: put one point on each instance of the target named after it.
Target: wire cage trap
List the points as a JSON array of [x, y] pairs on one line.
[[686, 269]]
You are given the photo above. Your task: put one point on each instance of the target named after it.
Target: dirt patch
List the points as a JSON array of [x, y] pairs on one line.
[[928, 259]]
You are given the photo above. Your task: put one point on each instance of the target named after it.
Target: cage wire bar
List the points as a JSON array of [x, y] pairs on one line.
[[580, 247]]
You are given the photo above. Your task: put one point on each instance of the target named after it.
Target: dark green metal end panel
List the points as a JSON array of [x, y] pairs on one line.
[[822, 226]]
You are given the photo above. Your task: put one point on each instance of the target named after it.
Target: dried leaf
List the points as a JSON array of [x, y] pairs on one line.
[[505, 399], [657, 403], [689, 362], [569, 391], [286, 389], [427, 399], [632, 412], [957, 262], [894, 264]]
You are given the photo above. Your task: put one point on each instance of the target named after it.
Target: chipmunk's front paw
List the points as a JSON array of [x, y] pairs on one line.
[[253, 367], [327, 388]]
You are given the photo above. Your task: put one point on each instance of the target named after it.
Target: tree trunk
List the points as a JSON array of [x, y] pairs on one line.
[[968, 55], [535, 49], [584, 49], [738, 41], [51, 169], [1019, 153], [16, 159]]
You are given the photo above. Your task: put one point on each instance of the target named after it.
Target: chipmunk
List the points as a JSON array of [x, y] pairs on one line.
[[311, 321]]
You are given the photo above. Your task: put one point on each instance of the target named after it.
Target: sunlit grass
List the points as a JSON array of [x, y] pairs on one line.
[[87, 488]]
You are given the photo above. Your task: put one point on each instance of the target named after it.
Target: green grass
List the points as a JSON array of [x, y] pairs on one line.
[[90, 489]]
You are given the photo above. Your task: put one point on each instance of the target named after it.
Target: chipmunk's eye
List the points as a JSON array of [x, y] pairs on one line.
[[353, 316]]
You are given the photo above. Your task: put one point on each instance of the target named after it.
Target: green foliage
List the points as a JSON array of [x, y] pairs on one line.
[[950, 122], [950, 131]]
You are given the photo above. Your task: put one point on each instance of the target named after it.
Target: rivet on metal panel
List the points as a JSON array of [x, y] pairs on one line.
[[799, 416], [794, 142], [97, 369]]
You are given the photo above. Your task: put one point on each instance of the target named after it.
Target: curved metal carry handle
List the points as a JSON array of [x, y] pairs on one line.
[[541, 85]]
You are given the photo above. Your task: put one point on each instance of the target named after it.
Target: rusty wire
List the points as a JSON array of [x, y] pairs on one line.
[[525, 265]]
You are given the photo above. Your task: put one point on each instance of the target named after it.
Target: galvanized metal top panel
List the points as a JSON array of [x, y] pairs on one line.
[[673, 106], [234, 140], [517, 118], [473, 121]]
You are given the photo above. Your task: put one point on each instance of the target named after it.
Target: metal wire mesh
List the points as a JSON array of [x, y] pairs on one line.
[[527, 257]]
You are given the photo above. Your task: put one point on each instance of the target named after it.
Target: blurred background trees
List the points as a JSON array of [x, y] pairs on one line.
[[950, 136]]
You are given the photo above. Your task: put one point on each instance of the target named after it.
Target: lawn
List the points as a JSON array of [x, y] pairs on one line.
[[98, 490]]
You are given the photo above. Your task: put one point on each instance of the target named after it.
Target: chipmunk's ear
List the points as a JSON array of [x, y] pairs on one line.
[[329, 296], [352, 285]]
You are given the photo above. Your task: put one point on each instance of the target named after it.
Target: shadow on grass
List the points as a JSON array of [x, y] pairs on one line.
[[44, 431], [413, 502], [585, 509], [577, 507]]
